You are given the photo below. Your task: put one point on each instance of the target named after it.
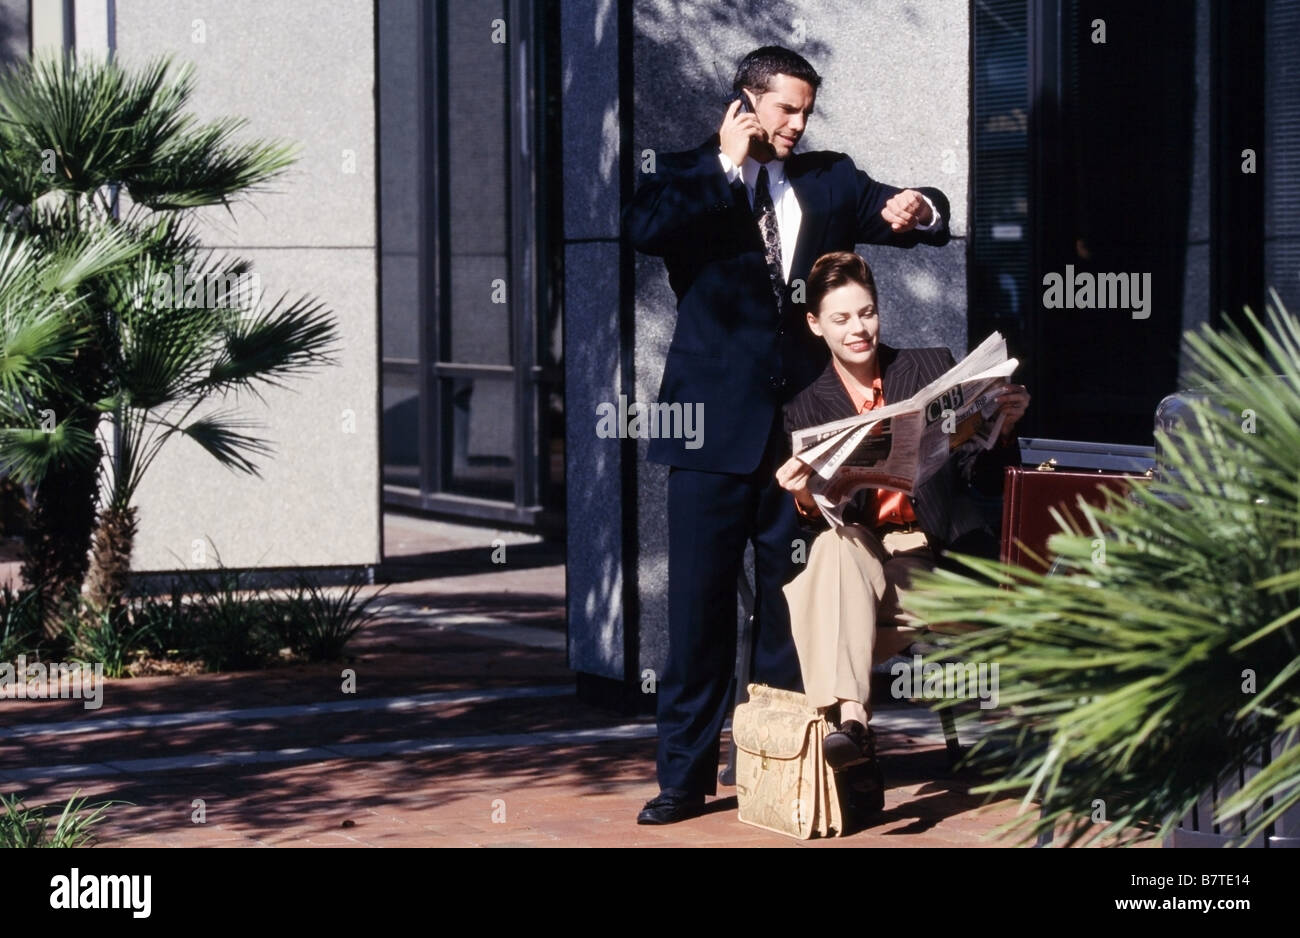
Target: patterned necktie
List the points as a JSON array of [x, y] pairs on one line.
[[765, 213]]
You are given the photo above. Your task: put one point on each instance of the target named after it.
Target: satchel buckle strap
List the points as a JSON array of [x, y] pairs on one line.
[[763, 753]]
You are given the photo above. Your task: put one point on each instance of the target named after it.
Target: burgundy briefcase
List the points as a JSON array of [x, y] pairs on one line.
[[1072, 471]]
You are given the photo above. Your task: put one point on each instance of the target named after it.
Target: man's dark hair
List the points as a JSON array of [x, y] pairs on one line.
[[835, 270], [757, 69]]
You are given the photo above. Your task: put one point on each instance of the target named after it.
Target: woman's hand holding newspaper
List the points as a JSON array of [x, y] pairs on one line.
[[793, 477], [1013, 401]]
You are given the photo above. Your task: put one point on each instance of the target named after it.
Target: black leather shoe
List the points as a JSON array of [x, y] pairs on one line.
[[852, 744], [671, 806], [851, 754]]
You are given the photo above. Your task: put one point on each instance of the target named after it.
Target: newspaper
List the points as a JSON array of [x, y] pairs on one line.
[[900, 446]]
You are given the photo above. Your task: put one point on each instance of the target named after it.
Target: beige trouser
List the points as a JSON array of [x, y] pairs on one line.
[[845, 612]]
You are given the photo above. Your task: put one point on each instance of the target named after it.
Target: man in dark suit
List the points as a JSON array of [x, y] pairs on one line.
[[739, 221]]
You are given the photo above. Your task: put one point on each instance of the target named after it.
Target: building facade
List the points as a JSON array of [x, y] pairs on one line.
[[456, 203]]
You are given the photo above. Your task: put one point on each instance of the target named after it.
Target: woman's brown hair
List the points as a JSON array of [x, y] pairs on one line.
[[835, 270]]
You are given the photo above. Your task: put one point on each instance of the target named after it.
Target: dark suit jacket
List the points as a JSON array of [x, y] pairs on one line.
[[943, 504], [731, 351]]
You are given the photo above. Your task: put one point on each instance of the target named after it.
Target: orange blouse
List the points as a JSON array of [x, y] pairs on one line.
[[890, 507]]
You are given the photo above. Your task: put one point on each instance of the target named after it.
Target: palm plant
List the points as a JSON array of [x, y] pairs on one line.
[[170, 364], [1164, 651], [88, 146], [46, 438]]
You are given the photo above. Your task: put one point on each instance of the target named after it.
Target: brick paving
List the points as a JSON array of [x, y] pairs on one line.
[[508, 783]]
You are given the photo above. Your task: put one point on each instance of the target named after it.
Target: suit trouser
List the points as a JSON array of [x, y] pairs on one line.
[[846, 609], [711, 517]]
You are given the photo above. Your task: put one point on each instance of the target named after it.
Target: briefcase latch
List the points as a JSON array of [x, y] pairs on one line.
[[1048, 466]]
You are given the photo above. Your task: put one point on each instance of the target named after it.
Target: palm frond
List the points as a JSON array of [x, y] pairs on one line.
[[287, 338], [205, 166], [26, 453], [88, 253], [102, 124], [222, 436]]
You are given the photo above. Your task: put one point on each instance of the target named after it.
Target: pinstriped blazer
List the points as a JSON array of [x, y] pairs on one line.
[[944, 508]]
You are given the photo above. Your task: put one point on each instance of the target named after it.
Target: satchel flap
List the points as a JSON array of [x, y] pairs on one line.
[[774, 723]]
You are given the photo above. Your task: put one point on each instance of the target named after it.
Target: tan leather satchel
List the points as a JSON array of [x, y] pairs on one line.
[[782, 781]]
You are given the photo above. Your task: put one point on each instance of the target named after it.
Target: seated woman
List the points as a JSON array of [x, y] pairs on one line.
[[844, 606]]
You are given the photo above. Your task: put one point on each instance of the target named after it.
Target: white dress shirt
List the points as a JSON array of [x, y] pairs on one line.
[[788, 213]]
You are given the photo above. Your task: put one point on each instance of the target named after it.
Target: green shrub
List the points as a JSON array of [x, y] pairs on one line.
[[227, 624], [329, 622], [107, 636], [20, 623], [21, 826]]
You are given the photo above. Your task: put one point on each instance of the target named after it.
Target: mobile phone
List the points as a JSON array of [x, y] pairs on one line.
[[743, 99], [735, 95]]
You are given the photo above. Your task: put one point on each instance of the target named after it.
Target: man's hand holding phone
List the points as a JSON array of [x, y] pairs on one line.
[[737, 130]]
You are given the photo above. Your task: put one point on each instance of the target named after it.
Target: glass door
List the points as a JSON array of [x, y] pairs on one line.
[[471, 353]]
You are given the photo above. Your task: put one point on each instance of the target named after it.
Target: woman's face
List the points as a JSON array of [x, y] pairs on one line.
[[847, 320]]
